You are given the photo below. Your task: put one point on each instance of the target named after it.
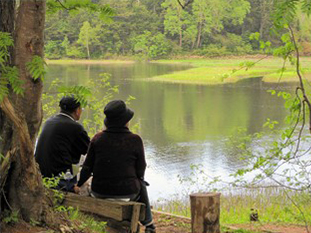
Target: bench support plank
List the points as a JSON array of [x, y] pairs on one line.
[[135, 218], [121, 211]]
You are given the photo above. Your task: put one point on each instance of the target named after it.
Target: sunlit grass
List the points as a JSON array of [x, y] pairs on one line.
[[86, 223], [273, 205], [218, 71], [215, 71]]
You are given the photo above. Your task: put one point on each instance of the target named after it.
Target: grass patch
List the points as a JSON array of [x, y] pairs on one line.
[[225, 229], [214, 71], [273, 206], [86, 223], [217, 71]]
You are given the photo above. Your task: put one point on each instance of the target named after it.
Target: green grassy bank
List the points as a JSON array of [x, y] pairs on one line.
[[226, 70]]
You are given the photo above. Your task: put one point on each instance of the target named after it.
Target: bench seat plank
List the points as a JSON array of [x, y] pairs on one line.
[[118, 210]]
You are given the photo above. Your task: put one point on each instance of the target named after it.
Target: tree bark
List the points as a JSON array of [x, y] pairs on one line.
[[180, 37], [265, 8], [205, 211], [29, 41], [88, 50], [199, 35], [7, 13], [24, 183]]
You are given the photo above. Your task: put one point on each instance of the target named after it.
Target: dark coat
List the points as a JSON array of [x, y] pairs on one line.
[[116, 158], [61, 143]]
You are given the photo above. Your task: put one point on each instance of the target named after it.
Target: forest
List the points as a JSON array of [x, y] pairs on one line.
[[189, 109], [153, 29]]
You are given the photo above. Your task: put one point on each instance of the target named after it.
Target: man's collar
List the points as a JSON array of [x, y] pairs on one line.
[[66, 115]]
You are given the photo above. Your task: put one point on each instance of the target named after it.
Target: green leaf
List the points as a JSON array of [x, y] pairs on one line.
[[81, 93], [37, 67]]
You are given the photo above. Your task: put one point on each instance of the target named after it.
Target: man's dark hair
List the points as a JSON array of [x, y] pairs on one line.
[[69, 104]]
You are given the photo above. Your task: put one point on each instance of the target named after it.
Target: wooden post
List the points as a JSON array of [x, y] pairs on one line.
[[135, 218], [205, 210]]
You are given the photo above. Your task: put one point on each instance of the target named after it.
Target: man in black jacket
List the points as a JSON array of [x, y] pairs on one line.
[[62, 142]]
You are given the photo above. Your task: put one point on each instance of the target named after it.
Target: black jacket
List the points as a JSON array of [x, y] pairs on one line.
[[117, 160], [61, 143]]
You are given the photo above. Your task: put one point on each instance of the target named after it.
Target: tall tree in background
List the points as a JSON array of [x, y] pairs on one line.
[[175, 19], [88, 36], [266, 7], [210, 15]]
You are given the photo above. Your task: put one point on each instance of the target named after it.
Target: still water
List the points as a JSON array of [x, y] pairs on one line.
[[183, 124]]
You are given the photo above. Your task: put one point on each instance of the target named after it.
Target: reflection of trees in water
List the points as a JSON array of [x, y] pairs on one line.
[[189, 115]]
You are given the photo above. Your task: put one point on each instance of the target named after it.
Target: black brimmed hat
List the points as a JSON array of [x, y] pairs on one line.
[[117, 114], [69, 103]]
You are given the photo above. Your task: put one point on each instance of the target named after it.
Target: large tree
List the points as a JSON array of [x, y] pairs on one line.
[[20, 124], [21, 68]]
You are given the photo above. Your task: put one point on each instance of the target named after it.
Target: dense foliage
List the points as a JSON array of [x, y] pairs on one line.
[[158, 28]]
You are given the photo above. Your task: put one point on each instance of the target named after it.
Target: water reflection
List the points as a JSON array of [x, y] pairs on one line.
[[183, 124]]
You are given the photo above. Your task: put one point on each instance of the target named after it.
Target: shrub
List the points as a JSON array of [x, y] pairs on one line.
[[306, 48], [212, 50], [54, 49]]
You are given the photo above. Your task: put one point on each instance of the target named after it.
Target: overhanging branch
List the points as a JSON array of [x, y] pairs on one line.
[[305, 97], [186, 3]]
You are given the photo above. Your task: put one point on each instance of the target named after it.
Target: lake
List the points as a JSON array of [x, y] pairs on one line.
[[183, 124]]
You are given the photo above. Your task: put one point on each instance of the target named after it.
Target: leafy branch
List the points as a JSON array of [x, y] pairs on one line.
[[37, 67], [186, 3], [9, 75], [105, 11]]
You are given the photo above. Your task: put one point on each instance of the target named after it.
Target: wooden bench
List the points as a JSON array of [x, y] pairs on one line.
[[126, 214]]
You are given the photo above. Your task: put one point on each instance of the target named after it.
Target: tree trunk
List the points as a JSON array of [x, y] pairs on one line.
[[29, 41], [199, 35], [7, 12], [180, 37], [265, 8], [25, 190], [205, 211], [88, 49]]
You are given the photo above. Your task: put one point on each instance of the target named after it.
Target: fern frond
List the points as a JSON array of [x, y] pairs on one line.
[[73, 6], [36, 67], [4, 91], [106, 13], [306, 7], [12, 76], [285, 12], [5, 40], [81, 93]]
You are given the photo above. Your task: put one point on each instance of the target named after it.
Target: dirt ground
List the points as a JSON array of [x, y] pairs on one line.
[[167, 223]]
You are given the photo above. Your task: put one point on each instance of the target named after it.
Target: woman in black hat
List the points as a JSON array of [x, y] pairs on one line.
[[116, 158]]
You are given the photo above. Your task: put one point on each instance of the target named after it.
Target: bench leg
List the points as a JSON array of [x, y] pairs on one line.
[[135, 218]]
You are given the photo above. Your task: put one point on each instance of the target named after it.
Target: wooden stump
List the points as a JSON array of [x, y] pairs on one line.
[[205, 210]]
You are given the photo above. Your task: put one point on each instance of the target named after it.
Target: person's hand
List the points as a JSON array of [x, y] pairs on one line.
[[76, 189]]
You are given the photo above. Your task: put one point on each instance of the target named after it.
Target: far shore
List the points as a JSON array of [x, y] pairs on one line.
[[211, 71], [87, 62]]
